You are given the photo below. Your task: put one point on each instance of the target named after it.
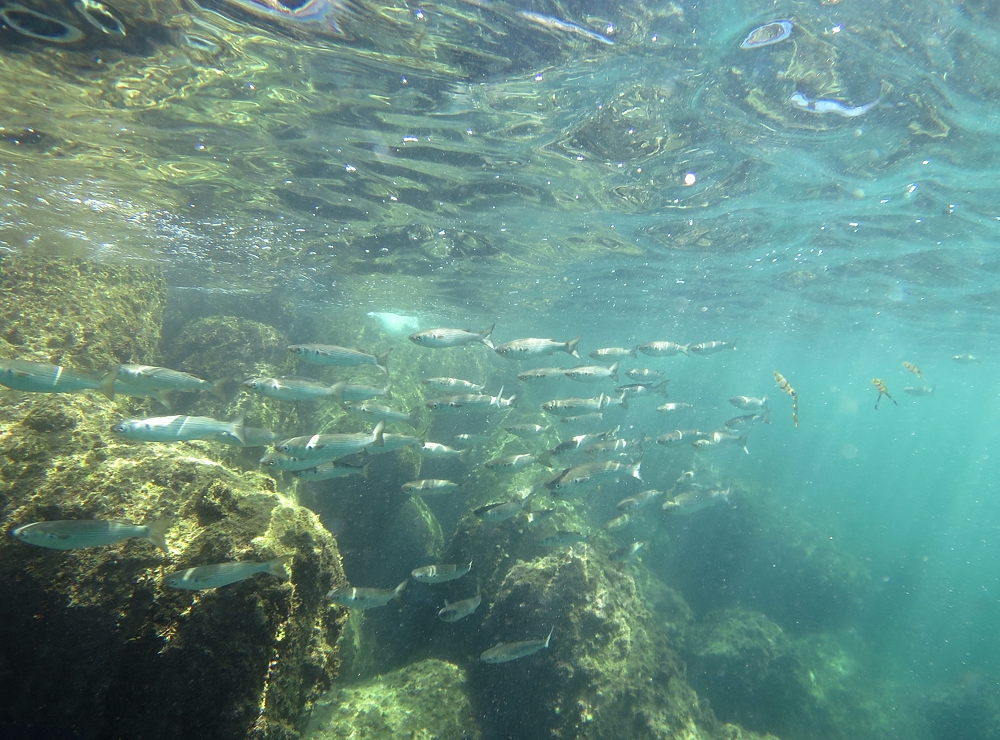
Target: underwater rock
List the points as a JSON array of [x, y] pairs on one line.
[[424, 700]]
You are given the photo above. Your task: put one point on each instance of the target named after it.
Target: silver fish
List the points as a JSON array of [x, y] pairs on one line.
[[204, 577], [514, 650], [740, 425], [593, 373], [510, 463], [710, 348], [522, 349], [427, 486], [330, 354], [583, 421], [610, 353], [331, 446], [41, 377], [527, 431], [255, 437], [77, 533], [473, 439], [619, 522], [452, 337], [293, 389], [365, 598], [644, 374], [179, 428], [679, 436], [643, 389], [374, 412], [960, 359], [469, 402], [578, 406], [696, 499], [454, 384], [574, 447], [639, 501], [440, 573], [585, 477], [330, 470], [919, 390], [749, 403], [721, 439], [542, 373], [561, 538], [660, 349], [455, 610], [802, 102], [281, 461], [355, 392], [674, 406], [437, 451], [151, 379], [502, 511], [615, 448], [558, 24], [393, 442], [628, 552]]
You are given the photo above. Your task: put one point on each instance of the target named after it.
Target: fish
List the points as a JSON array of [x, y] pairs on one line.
[[527, 431], [721, 439], [331, 354], [696, 499], [913, 369], [42, 377], [592, 373], [639, 500], [674, 406], [354, 392], [710, 348], [501, 511], [919, 390], [583, 421], [364, 598], [454, 384], [575, 446], [469, 402], [749, 403], [179, 428], [557, 24], [455, 610], [787, 388], [660, 349], [679, 436], [255, 437], [562, 537], [540, 515], [577, 406], [882, 391], [960, 359], [152, 379], [619, 522], [522, 349], [769, 33], [803, 102], [393, 442], [615, 448], [643, 389], [330, 470], [293, 389], [426, 486], [644, 374], [437, 451], [35, 25], [542, 373], [590, 475], [331, 446], [439, 338], [375, 412], [281, 461], [502, 653], [511, 463], [440, 573], [629, 552], [203, 577], [473, 439], [72, 534], [610, 353], [740, 424]]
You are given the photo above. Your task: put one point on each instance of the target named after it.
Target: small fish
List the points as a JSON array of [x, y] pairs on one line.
[[542, 373], [591, 475], [710, 348], [393, 442], [680, 436], [739, 425], [454, 384], [610, 353], [769, 33], [578, 406], [469, 402], [426, 486], [473, 439], [354, 392], [629, 552], [557, 24], [583, 421], [672, 406], [643, 389], [41, 377], [882, 391], [522, 349], [255, 437], [440, 573], [696, 499], [456, 610], [330, 470], [331, 446], [540, 515], [437, 451], [615, 448], [802, 102], [619, 522], [639, 501], [375, 412], [574, 447], [787, 388], [592, 373], [512, 651], [502, 511], [365, 598], [510, 463], [960, 359], [721, 439], [281, 461], [527, 431], [749, 403], [204, 577], [913, 369], [644, 374], [330, 354], [919, 390], [179, 428], [561, 538], [157, 379], [293, 389], [438, 338], [72, 534], [660, 349]]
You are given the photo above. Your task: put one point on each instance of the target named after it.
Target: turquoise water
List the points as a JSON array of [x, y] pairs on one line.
[[458, 164]]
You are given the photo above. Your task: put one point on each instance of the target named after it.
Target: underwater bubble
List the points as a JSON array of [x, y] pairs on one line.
[[100, 17], [396, 324], [35, 25]]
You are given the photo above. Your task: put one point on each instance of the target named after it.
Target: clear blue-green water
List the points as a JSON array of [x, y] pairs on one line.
[[460, 165]]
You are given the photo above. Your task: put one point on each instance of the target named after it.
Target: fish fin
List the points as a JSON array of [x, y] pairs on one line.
[[486, 334], [387, 391], [219, 388], [364, 470], [108, 383], [509, 401], [397, 594], [239, 428], [614, 370], [158, 531], [571, 346], [377, 434], [547, 639], [766, 416], [734, 344], [623, 401], [634, 352], [661, 389], [500, 395], [276, 567], [464, 455], [382, 360], [165, 398], [743, 443], [414, 417], [337, 389], [685, 349], [545, 458], [635, 471]]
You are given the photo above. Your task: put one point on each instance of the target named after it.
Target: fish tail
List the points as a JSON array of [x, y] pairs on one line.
[[337, 389], [486, 334], [685, 349], [239, 428], [614, 371], [766, 415], [414, 417], [397, 594], [571, 346], [743, 443], [378, 441], [387, 391], [219, 388], [276, 567], [165, 398], [545, 458], [509, 401], [661, 389], [157, 532], [623, 401], [634, 352], [108, 383], [364, 469], [382, 360], [549, 638], [464, 455], [635, 470], [734, 344]]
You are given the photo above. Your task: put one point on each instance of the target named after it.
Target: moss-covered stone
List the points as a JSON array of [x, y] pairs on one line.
[[423, 701]]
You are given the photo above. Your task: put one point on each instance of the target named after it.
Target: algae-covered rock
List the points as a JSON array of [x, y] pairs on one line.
[[419, 702]]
